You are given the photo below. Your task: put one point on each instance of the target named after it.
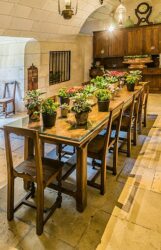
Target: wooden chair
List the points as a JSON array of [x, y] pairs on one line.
[[37, 170], [8, 99], [142, 119], [145, 103], [130, 122], [98, 147]]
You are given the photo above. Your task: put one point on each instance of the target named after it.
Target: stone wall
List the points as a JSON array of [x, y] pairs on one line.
[[81, 58], [12, 66]]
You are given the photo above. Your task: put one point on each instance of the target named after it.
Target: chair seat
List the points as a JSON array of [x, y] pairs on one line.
[[5, 100], [51, 169]]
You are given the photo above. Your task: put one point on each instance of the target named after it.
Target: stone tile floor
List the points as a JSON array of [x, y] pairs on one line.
[[126, 217]]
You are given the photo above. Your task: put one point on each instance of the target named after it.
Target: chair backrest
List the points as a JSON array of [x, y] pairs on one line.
[[10, 89], [138, 99], [130, 107], [27, 134], [115, 115]]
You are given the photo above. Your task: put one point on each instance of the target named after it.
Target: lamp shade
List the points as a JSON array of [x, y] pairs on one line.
[[120, 14]]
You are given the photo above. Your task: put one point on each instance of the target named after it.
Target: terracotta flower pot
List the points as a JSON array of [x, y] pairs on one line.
[[49, 119], [103, 106], [64, 112], [131, 87], [81, 118]]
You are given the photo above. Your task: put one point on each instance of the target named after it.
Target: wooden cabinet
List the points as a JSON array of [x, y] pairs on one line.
[[128, 41], [100, 45], [151, 40], [134, 41], [117, 43]]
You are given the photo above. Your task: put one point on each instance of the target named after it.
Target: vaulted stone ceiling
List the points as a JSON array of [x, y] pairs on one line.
[[101, 18], [40, 18]]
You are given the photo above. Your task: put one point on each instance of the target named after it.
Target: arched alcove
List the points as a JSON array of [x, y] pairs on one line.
[[13, 64]]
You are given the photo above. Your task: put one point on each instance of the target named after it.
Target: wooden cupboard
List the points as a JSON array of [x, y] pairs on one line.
[[128, 41], [151, 40], [100, 44], [116, 41], [134, 41]]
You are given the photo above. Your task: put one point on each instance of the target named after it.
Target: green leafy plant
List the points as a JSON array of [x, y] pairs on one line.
[[89, 89], [33, 100], [81, 104], [137, 73], [112, 79], [131, 79], [63, 93], [100, 82], [103, 94], [49, 106], [65, 106]]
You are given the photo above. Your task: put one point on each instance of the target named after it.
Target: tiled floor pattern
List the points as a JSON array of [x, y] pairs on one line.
[[128, 215]]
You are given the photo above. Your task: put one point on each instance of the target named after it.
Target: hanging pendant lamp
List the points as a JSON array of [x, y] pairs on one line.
[[120, 13]]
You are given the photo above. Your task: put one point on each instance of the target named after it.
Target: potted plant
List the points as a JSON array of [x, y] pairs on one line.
[[103, 96], [81, 108], [89, 91], [100, 82], [131, 80], [64, 110], [33, 102], [137, 73], [64, 96], [49, 113], [74, 90]]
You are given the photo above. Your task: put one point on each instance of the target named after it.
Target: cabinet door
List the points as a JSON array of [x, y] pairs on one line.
[[135, 41], [100, 44], [117, 43], [151, 40]]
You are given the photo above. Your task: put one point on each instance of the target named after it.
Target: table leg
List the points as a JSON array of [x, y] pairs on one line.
[[81, 175]]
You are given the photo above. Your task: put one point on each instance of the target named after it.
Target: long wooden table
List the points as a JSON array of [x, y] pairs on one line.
[[66, 132]]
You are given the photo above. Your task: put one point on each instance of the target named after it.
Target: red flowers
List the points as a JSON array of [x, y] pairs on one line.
[[74, 90], [117, 74]]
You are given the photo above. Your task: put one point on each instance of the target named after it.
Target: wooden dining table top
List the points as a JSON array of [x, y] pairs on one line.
[[66, 130]]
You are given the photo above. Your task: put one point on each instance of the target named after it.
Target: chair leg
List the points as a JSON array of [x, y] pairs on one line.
[[129, 143], [59, 198], [10, 199], [135, 134], [145, 117], [140, 124], [103, 179], [115, 157], [5, 109], [32, 189], [40, 211], [13, 107], [59, 151]]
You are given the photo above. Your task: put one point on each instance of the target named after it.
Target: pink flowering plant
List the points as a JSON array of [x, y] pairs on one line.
[[114, 76], [74, 90]]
